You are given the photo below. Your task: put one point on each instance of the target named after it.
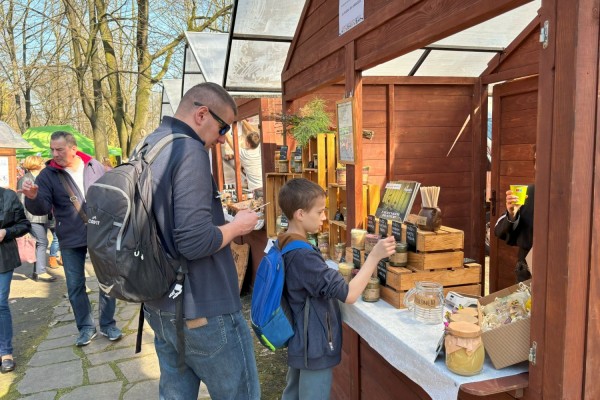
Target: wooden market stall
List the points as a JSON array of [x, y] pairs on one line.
[[565, 312]]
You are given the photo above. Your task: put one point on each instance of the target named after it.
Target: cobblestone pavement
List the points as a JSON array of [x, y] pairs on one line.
[[101, 370]]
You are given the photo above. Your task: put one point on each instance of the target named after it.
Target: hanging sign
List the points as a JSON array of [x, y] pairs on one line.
[[351, 13]]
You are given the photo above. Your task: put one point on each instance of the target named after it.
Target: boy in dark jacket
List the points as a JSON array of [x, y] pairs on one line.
[[314, 351]]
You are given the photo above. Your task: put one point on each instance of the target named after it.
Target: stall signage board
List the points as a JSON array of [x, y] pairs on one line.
[[356, 257], [397, 231], [383, 227], [351, 13], [382, 272], [411, 237], [398, 198], [371, 223]]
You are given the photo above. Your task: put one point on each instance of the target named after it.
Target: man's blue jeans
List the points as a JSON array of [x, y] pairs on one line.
[[74, 266], [6, 330], [220, 354]]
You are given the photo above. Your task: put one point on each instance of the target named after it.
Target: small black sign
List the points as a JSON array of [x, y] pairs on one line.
[[371, 223], [283, 153], [411, 237], [383, 227], [356, 258], [397, 231], [381, 272]]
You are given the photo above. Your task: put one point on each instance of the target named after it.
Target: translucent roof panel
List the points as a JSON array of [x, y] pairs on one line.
[[256, 65], [400, 66], [472, 48], [191, 64], [190, 80], [454, 63], [166, 111], [274, 18], [210, 50], [172, 92]]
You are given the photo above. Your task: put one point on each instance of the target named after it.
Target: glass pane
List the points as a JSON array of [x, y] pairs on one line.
[[256, 64], [454, 63], [191, 64], [400, 66], [166, 111], [190, 80], [172, 92], [268, 17], [210, 50]]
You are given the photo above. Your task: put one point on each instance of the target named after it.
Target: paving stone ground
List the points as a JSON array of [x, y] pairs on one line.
[[102, 370]]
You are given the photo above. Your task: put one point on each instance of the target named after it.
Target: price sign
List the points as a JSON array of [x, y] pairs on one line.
[[411, 237], [371, 224], [356, 258], [397, 231], [381, 272], [383, 227]]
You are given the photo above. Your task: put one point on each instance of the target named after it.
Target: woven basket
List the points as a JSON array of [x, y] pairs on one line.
[[240, 254]]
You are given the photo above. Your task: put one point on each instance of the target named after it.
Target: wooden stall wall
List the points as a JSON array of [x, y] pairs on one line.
[[514, 129], [428, 117]]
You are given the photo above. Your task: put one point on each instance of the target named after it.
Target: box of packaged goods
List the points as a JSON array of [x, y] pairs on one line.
[[504, 317]]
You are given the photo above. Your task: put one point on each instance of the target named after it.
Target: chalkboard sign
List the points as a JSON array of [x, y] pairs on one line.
[[381, 272], [411, 237], [383, 227], [397, 231], [356, 258], [371, 223], [283, 153]]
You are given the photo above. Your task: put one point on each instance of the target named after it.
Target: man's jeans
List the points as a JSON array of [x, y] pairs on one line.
[[6, 329], [74, 266], [220, 354]]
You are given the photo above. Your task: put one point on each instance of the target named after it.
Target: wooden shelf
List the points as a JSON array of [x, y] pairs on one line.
[[311, 169], [338, 223]]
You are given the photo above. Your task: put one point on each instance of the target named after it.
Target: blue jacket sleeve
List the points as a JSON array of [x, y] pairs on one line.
[[42, 204]]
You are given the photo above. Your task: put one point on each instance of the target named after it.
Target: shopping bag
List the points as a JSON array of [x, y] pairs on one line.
[[26, 245]]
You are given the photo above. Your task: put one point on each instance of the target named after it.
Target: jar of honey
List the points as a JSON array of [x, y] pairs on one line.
[[464, 348], [357, 237], [372, 291], [371, 240], [345, 269], [400, 257]]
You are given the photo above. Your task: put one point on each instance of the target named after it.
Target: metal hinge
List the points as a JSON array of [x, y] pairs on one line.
[[544, 34], [532, 353]]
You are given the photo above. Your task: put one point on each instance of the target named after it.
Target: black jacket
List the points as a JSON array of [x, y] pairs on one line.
[[520, 232], [12, 218]]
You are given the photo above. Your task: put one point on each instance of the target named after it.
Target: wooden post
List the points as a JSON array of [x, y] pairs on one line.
[[354, 172]]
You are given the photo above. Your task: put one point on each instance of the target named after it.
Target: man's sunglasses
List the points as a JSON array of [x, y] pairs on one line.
[[223, 126]]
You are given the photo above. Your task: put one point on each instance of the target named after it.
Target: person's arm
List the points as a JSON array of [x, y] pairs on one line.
[[21, 224], [38, 194], [243, 223]]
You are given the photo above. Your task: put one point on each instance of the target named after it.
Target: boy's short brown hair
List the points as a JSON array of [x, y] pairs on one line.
[[299, 194]]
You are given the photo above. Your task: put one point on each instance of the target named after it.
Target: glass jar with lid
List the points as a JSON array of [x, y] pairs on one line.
[[464, 348], [400, 257]]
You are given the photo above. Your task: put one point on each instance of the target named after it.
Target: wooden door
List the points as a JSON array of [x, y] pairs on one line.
[[514, 129]]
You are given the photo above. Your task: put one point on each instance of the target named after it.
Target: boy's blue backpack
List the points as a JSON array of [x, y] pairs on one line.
[[270, 313]]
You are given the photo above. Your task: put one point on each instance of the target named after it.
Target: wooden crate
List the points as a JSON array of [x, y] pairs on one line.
[[444, 239], [401, 278], [396, 297], [274, 182], [436, 260]]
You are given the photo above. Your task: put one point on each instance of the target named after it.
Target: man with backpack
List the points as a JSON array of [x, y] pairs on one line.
[[189, 217], [61, 188]]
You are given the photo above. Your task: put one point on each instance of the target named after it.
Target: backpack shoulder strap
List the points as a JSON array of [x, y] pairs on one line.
[[150, 155], [295, 245]]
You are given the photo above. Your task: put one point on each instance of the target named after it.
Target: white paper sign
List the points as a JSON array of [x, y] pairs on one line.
[[351, 13]]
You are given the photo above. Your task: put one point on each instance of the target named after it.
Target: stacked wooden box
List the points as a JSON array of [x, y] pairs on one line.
[[437, 257]]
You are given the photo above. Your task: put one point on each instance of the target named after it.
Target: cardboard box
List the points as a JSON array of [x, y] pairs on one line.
[[507, 344]]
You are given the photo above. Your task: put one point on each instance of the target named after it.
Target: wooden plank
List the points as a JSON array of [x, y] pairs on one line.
[[436, 260], [395, 298], [400, 278]]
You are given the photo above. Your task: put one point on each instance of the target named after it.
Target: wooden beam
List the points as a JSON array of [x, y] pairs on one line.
[[389, 134], [476, 248], [565, 167], [509, 74]]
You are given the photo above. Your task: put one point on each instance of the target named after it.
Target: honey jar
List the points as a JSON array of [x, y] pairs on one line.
[[400, 257], [345, 270], [357, 237], [464, 348], [371, 240], [339, 250], [371, 292]]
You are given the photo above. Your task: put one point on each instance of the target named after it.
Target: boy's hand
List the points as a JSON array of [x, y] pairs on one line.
[[384, 248], [246, 221]]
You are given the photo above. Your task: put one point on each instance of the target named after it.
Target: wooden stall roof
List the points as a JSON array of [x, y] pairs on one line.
[[316, 56]]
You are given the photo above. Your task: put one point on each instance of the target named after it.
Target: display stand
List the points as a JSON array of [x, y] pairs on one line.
[[322, 150]]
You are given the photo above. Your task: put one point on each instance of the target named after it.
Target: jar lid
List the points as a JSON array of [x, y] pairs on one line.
[[464, 329], [468, 311], [463, 317]]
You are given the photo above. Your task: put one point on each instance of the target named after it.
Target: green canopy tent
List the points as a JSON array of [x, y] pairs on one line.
[[39, 139]]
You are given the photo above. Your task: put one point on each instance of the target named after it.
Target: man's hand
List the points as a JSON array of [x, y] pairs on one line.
[[29, 189], [245, 220], [511, 205]]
